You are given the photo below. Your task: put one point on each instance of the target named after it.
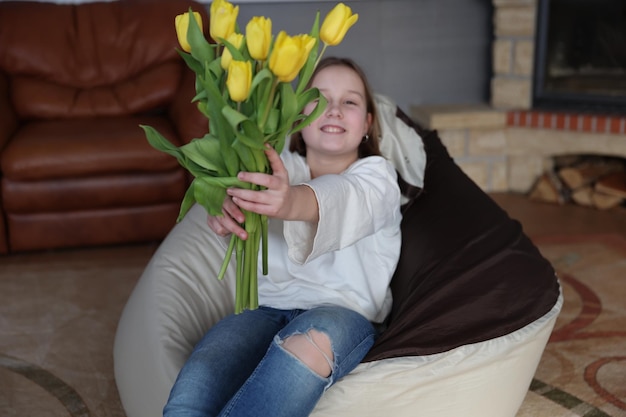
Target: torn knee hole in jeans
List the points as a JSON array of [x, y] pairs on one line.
[[304, 347]]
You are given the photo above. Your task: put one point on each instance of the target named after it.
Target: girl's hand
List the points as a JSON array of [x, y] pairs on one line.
[[229, 222], [279, 199]]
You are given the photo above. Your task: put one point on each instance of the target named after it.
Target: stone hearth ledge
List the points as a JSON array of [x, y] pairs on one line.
[[499, 157]]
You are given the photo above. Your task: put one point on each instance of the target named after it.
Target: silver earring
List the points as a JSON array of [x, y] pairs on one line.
[[365, 138]]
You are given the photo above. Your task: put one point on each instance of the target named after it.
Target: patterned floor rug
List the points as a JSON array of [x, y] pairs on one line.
[[59, 311], [583, 369]]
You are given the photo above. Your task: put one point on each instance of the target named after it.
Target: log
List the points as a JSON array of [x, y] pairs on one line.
[[583, 195], [587, 172], [605, 201], [548, 188], [613, 184]]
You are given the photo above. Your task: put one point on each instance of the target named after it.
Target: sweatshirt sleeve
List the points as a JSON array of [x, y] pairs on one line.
[[357, 203]]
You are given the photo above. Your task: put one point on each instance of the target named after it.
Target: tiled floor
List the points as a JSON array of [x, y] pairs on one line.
[[540, 218], [80, 300]]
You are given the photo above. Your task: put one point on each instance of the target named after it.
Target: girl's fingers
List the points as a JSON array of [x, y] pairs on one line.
[[233, 227], [278, 167], [231, 209], [229, 222], [271, 199], [267, 180]]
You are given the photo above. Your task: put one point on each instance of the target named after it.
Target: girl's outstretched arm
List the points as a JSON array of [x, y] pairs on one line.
[[279, 199]]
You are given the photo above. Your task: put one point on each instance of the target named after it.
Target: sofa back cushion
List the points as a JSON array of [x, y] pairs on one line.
[[90, 59]]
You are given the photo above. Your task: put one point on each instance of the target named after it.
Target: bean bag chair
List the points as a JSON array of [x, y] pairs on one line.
[[474, 302]]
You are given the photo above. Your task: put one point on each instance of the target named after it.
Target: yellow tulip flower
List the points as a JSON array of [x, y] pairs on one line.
[[181, 22], [239, 80], [259, 37], [289, 55], [236, 39], [222, 20], [336, 24]]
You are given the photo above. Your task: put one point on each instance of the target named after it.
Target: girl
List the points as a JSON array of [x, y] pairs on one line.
[[334, 242]]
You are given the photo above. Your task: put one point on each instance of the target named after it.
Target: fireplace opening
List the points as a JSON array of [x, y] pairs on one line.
[[580, 56]]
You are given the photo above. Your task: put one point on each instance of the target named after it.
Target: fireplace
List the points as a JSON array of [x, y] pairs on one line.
[[580, 56], [510, 142]]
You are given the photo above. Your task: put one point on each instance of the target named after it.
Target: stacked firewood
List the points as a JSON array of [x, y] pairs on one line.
[[590, 181]]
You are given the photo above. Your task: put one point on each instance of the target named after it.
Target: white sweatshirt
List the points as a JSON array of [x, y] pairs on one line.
[[349, 257]]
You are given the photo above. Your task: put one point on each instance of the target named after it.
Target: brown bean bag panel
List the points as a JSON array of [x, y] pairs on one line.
[[467, 272]]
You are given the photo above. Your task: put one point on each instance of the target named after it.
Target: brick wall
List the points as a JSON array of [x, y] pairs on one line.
[[513, 49], [506, 146]]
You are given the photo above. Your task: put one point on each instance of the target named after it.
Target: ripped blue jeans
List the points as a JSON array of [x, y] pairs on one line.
[[240, 368]]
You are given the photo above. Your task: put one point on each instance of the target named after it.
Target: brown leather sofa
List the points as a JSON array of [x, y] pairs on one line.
[[75, 83]]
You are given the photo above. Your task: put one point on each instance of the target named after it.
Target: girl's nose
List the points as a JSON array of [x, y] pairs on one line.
[[333, 110]]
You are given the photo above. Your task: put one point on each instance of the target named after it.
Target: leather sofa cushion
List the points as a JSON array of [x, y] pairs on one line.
[[81, 148], [153, 88], [90, 59], [90, 227], [91, 193]]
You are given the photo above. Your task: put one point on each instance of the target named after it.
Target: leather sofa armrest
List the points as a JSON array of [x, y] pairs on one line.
[[8, 120], [190, 123]]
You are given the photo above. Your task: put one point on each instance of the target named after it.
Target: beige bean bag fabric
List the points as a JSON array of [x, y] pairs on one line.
[[474, 303]]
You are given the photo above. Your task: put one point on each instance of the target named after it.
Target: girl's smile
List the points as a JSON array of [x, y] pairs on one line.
[[333, 139]]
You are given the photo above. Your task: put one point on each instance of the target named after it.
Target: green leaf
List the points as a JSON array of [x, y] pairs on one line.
[[191, 62], [308, 96], [245, 156], [205, 152], [233, 117], [262, 164], [216, 70], [264, 75], [248, 132], [317, 111], [289, 104], [159, 142], [231, 160], [197, 170], [209, 196], [201, 49], [234, 51], [188, 201], [202, 107], [215, 103], [247, 108], [307, 70], [225, 182], [251, 135], [272, 122], [210, 85], [201, 96]]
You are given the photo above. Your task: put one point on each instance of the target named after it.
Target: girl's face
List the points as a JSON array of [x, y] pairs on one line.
[[338, 132]]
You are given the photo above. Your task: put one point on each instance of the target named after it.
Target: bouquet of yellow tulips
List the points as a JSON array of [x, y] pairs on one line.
[[244, 86]]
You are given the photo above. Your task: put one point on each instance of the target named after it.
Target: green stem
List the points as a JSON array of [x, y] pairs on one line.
[[239, 278], [269, 104], [264, 231], [319, 57], [229, 253], [248, 271], [254, 284]]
